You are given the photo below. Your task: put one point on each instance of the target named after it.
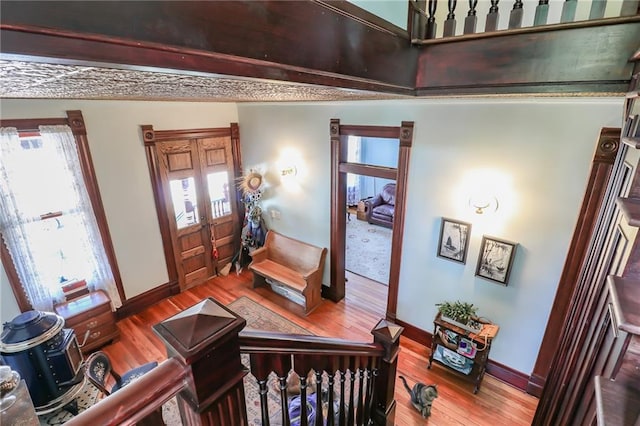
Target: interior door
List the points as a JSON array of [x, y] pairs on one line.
[[217, 171], [181, 177]]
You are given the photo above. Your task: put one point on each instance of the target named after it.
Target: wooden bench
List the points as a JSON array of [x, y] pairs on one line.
[[296, 265]]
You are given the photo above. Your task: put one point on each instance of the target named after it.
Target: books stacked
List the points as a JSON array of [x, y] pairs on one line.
[[74, 288]]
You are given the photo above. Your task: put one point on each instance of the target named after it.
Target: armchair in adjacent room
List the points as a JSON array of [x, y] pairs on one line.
[[380, 209]]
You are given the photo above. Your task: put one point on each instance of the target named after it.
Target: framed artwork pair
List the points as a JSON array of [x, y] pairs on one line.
[[494, 260]]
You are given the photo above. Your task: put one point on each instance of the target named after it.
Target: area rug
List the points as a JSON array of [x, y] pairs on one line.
[[258, 318], [368, 250], [87, 396]]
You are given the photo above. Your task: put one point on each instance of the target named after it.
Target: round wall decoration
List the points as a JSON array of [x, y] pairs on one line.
[[251, 182]]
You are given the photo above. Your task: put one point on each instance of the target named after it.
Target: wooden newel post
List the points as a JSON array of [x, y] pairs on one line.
[[384, 406], [205, 339]]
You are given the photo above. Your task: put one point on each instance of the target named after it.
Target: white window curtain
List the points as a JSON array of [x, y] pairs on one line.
[[353, 181], [40, 178]]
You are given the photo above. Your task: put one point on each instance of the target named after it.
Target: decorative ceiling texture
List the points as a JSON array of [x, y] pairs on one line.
[[36, 80]]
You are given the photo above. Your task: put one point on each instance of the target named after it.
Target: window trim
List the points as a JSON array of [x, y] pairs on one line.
[[75, 121]]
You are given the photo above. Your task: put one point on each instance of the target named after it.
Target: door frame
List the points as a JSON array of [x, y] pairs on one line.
[[339, 134], [150, 137]]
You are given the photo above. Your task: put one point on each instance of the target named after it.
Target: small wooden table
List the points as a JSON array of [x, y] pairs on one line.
[[461, 351], [90, 315]]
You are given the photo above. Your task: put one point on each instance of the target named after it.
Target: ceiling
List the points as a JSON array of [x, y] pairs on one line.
[[39, 80]]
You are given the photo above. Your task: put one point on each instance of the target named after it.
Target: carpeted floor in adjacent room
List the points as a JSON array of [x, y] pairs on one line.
[[368, 250]]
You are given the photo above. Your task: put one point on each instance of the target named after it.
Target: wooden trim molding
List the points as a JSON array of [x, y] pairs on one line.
[[142, 301], [150, 137], [75, 121], [339, 135], [607, 148]]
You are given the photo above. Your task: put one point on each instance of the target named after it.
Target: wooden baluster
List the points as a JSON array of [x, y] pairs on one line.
[[284, 401], [319, 411], [431, 21], [417, 20], [264, 406], [515, 19], [491, 23], [303, 401], [342, 417], [542, 13], [471, 20], [597, 9], [352, 380], [359, 416], [367, 399], [261, 367], [331, 412], [450, 22], [630, 8], [569, 11]]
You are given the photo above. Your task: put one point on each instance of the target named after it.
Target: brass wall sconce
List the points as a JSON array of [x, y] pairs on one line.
[[484, 204]]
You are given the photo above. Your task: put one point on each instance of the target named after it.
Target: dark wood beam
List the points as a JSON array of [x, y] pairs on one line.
[[300, 41], [556, 59]]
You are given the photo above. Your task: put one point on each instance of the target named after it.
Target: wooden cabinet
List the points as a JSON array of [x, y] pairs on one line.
[[91, 318], [460, 350]]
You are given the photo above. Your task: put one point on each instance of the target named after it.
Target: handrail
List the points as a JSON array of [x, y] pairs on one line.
[[138, 399], [264, 342]]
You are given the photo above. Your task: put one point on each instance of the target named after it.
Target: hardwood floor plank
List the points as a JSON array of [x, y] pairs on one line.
[[495, 404]]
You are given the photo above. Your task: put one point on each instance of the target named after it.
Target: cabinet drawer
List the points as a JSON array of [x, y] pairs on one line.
[[97, 336], [91, 322]]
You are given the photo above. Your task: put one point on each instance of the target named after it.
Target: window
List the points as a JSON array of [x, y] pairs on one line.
[[46, 218]]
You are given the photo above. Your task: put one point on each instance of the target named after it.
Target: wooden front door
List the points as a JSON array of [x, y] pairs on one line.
[[194, 172], [217, 171], [183, 190]]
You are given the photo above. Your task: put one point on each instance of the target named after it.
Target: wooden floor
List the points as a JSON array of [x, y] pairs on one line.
[[495, 404]]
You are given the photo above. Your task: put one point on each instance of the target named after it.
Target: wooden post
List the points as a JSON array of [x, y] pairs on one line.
[[205, 339], [491, 24], [384, 406]]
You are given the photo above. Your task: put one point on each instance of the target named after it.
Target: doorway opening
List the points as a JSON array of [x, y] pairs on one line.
[[373, 161], [368, 242]]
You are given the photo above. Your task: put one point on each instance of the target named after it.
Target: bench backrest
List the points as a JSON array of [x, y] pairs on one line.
[[293, 253]]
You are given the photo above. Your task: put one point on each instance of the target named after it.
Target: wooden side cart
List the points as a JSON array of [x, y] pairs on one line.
[[462, 351]]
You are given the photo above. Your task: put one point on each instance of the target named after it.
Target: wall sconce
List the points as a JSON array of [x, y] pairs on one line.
[[480, 204], [289, 171]]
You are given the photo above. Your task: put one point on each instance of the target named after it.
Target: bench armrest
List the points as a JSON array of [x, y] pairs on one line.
[[309, 273], [259, 255]]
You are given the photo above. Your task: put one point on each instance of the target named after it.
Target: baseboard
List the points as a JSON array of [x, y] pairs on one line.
[[535, 385], [328, 292], [144, 300], [499, 371]]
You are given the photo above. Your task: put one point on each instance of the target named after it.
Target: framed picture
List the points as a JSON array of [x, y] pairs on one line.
[[454, 240], [495, 259]]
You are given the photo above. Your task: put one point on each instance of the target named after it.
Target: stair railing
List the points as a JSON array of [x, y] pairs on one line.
[[425, 14], [205, 372]]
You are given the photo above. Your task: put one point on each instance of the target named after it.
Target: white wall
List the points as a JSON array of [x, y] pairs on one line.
[[542, 147], [117, 149]]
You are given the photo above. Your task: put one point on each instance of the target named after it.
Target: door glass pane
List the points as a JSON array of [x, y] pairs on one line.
[[218, 186], [185, 203]]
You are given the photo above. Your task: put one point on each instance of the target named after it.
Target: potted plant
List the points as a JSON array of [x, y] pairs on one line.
[[459, 313]]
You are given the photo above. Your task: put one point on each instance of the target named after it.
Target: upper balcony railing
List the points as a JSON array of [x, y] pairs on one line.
[[433, 19]]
